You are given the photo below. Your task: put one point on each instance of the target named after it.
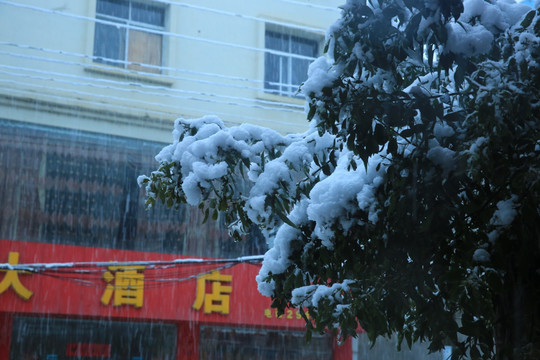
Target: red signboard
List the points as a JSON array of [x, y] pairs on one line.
[[197, 292]]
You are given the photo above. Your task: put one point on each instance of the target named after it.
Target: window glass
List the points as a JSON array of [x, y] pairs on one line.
[[277, 41], [271, 71], [303, 46], [109, 43], [79, 188], [63, 339], [148, 14], [299, 72], [263, 344], [284, 74], [116, 8]]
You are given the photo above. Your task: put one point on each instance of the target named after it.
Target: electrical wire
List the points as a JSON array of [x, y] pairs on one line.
[[161, 114], [84, 273], [78, 100], [124, 63], [189, 95], [249, 17], [131, 72], [141, 73], [152, 278], [165, 90], [160, 32], [37, 267], [135, 101], [321, 7]]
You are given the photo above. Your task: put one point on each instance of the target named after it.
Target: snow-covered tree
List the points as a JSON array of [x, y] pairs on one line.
[[412, 205]]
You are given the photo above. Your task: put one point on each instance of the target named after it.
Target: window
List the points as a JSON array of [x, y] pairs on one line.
[[80, 188], [64, 339], [131, 45], [284, 73], [229, 343]]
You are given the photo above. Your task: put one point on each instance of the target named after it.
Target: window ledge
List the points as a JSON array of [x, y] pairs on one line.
[[128, 75]]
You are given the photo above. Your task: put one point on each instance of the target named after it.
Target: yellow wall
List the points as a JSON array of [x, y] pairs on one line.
[[213, 59]]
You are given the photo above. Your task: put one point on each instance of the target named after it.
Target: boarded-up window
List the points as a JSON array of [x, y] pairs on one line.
[[144, 48]]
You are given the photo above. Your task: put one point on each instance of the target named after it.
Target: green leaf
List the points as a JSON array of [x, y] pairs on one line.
[[475, 353], [408, 337], [527, 21], [206, 214], [406, 133], [392, 146], [285, 219], [380, 134], [412, 27], [453, 116], [365, 11], [459, 76], [326, 169], [311, 113], [399, 340]]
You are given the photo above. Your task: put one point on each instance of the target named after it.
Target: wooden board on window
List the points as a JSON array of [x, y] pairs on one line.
[[144, 48]]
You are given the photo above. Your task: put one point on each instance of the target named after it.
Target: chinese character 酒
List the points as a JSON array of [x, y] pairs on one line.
[[126, 283]]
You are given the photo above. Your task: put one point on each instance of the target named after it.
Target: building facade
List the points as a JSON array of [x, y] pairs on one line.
[[89, 91]]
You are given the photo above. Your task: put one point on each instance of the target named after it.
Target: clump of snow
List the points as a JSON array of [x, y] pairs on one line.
[[468, 40], [342, 193], [210, 171], [527, 45], [276, 260], [441, 156], [442, 130], [503, 216], [190, 187], [505, 213], [481, 255], [311, 295], [478, 24], [320, 75], [496, 16]]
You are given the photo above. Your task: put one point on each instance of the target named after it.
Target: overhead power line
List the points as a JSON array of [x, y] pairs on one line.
[[254, 18], [159, 32], [118, 107], [129, 71], [39, 267], [157, 273], [165, 91]]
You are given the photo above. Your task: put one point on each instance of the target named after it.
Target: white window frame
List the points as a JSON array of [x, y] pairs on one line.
[[285, 86], [130, 25]]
